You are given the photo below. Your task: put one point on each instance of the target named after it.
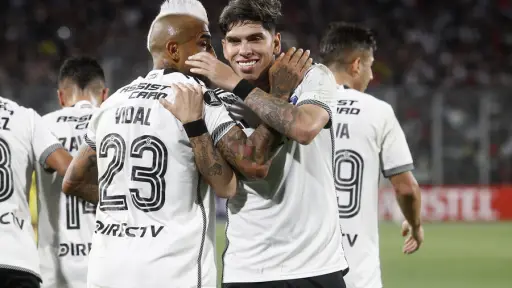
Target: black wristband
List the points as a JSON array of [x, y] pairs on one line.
[[243, 88], [195, 128]]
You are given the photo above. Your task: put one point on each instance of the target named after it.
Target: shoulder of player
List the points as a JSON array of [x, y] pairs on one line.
[[8, 104], [318, 70], [172, 76], [53, 115], [317, 75]]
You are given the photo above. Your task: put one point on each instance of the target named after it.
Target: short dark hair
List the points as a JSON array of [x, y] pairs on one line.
[[82, 70], [344, 37], [266, 12]]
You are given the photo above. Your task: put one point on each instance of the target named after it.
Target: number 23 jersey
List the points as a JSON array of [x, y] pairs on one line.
[[155, 219], [368, 139]]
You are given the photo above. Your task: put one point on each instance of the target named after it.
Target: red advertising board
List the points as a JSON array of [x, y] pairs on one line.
[[444, 203], [454, 203]]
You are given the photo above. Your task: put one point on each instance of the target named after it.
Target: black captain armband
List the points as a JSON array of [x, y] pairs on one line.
[[243, 88], [195, 128]]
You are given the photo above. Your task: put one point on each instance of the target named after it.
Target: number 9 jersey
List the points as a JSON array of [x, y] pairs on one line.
[[368, 139], [155, 219]]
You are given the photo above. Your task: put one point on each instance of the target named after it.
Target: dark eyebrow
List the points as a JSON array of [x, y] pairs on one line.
[[251, 36], [232, 39], [259, 34]]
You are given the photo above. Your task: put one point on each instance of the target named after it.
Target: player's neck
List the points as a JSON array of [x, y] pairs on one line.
[[160, 64], [72, 100]]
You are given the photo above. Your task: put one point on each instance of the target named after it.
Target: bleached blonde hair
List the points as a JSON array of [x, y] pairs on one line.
[[192, 8]]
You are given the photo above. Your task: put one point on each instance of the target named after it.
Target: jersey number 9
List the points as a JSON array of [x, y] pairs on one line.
[[349, 166]]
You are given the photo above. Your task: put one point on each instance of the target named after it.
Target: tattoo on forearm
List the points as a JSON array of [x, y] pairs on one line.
[[275, 112], [249, 154], [83, 175], [207, 158]]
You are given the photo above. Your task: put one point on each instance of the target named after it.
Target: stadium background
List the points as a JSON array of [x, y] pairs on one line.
[[445, 66]]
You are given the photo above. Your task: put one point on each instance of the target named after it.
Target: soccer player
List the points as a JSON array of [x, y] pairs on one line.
[[282, 231], [25, 141], [66, 223], [369, 140], [155, 217]]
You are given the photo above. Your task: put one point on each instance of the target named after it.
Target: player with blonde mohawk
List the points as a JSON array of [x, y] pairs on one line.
[[155, 218]]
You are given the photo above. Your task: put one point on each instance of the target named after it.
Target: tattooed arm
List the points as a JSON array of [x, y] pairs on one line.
[[250, 156], [81, 178], [188, 108], [300, 123], [216, 172]]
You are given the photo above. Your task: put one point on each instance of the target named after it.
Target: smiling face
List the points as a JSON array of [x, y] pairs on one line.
[[250, 49]]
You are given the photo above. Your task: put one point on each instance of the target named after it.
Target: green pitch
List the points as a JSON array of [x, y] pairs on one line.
[[453, 256]]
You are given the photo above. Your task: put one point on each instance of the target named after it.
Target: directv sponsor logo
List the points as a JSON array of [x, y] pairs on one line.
[[74, 249], [123, 230]]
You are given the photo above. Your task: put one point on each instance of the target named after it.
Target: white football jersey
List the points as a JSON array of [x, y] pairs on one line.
[[369, 140], [66, 223], [24, 141], [285, 227], [155, 219]]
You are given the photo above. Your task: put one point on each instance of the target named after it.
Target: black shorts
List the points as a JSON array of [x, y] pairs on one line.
[[18, 279], [333, 280]]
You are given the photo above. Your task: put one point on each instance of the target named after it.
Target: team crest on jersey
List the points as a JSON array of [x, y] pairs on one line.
[[228, 98], [210, 99]]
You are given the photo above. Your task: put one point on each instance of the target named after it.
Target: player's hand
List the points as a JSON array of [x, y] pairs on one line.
[[288, 71], [220, 74], [188, 104], [414, 237]]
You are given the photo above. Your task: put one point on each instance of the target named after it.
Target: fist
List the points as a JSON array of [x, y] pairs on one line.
[[188, 104]]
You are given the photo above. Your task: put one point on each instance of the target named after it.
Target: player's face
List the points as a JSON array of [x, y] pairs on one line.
[[200, 41], [251, 49], [365, 72]]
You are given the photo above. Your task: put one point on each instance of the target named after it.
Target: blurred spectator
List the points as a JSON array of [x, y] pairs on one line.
[[436, 61]]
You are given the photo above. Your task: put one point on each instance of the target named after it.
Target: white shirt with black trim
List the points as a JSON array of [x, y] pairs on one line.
[[286, 227], [155, 219], [369, 140], [66, 223], [25, 142]]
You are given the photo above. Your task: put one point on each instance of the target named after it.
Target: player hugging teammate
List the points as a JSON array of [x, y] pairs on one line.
[[258, 131]]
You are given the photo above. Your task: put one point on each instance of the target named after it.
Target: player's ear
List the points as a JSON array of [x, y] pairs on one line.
[[60, 94], [277, 43], [355, 66], [104, 94], [173, 51]]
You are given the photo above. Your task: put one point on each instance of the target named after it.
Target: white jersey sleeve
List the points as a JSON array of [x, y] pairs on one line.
[[395, 155], [216, 117], [44, 142], [317, 88]]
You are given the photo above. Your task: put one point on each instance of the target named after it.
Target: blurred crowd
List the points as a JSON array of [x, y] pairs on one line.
[[444, 65]]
